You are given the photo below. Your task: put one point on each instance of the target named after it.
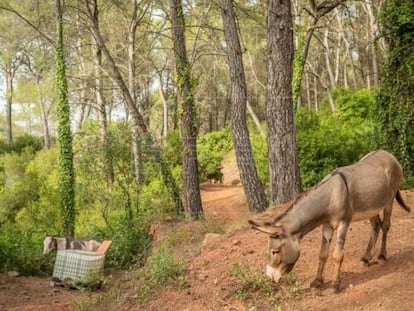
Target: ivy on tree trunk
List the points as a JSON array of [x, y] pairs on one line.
[[395, 97], [191, 188], [64, 139]]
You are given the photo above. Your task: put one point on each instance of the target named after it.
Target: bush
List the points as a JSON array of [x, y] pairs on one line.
[[22, 251], [259, 146], [165, 268], [22, 144], [211, 148], [326, 140], [130, 242]]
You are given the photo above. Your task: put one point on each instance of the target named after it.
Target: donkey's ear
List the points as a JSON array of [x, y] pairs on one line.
[[265, 227], [259, 223]]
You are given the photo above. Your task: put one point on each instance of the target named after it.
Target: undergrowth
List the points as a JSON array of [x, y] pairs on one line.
[[163, 268]]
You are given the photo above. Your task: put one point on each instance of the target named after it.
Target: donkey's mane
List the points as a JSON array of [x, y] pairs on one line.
[[302, 196]]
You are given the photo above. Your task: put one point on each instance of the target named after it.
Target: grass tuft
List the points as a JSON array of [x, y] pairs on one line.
[[258, 291]]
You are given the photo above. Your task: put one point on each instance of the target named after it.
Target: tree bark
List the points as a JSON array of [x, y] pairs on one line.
[[253, 188], [283, 163], [191, 188], [132, 86], [164, 101], [45, 116], [9, 103]]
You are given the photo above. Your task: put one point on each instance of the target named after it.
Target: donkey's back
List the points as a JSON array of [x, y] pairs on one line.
[[372, 184]]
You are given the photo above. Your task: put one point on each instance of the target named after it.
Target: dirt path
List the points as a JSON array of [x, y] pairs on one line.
[[212, 286]]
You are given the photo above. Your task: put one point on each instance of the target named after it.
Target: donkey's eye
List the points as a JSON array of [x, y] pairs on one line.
[[274, 251], [275, 236]]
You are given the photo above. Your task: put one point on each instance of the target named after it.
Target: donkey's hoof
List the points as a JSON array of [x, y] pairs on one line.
[[316, 283], [381, 259], [364, 262], [335, 289]]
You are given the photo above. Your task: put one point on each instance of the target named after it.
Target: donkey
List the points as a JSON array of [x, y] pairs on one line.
[[52, 243], [356, 192]]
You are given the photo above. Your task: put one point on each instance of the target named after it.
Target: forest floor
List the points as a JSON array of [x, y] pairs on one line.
[[213, 261]]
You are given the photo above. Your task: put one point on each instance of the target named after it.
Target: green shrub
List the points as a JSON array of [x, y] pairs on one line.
[[130, 241], [21, 144], [326, 140], [165, 268], [22, 251], [211, 148], [259, 146]]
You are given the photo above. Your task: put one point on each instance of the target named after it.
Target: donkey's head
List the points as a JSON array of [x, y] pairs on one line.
[[283, 249], [49, 244]]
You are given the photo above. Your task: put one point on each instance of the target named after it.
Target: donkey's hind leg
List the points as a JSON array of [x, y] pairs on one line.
[[385, 225], [375, 228]]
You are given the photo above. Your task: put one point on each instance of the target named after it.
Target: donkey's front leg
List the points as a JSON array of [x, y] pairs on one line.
[[327, 232], [338, 255]]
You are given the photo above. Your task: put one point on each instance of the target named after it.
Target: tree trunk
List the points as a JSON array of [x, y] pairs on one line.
[[283, 163], [255, 119], [163, 97], [253, 188], [9, 103], [45, 114], [191, 188], [132, 86], [101, 106], [329, 69], [66, 174], [373, 35]]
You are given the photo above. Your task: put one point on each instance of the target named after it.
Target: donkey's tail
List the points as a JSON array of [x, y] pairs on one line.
[[401, 201]]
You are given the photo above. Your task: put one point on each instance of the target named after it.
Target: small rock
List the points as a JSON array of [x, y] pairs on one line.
[[13, 274], [209, 239], [248, 252], [202, 277], [236, 242]]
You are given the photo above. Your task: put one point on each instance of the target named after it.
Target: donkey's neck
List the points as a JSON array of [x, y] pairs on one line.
[[307, 213]]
